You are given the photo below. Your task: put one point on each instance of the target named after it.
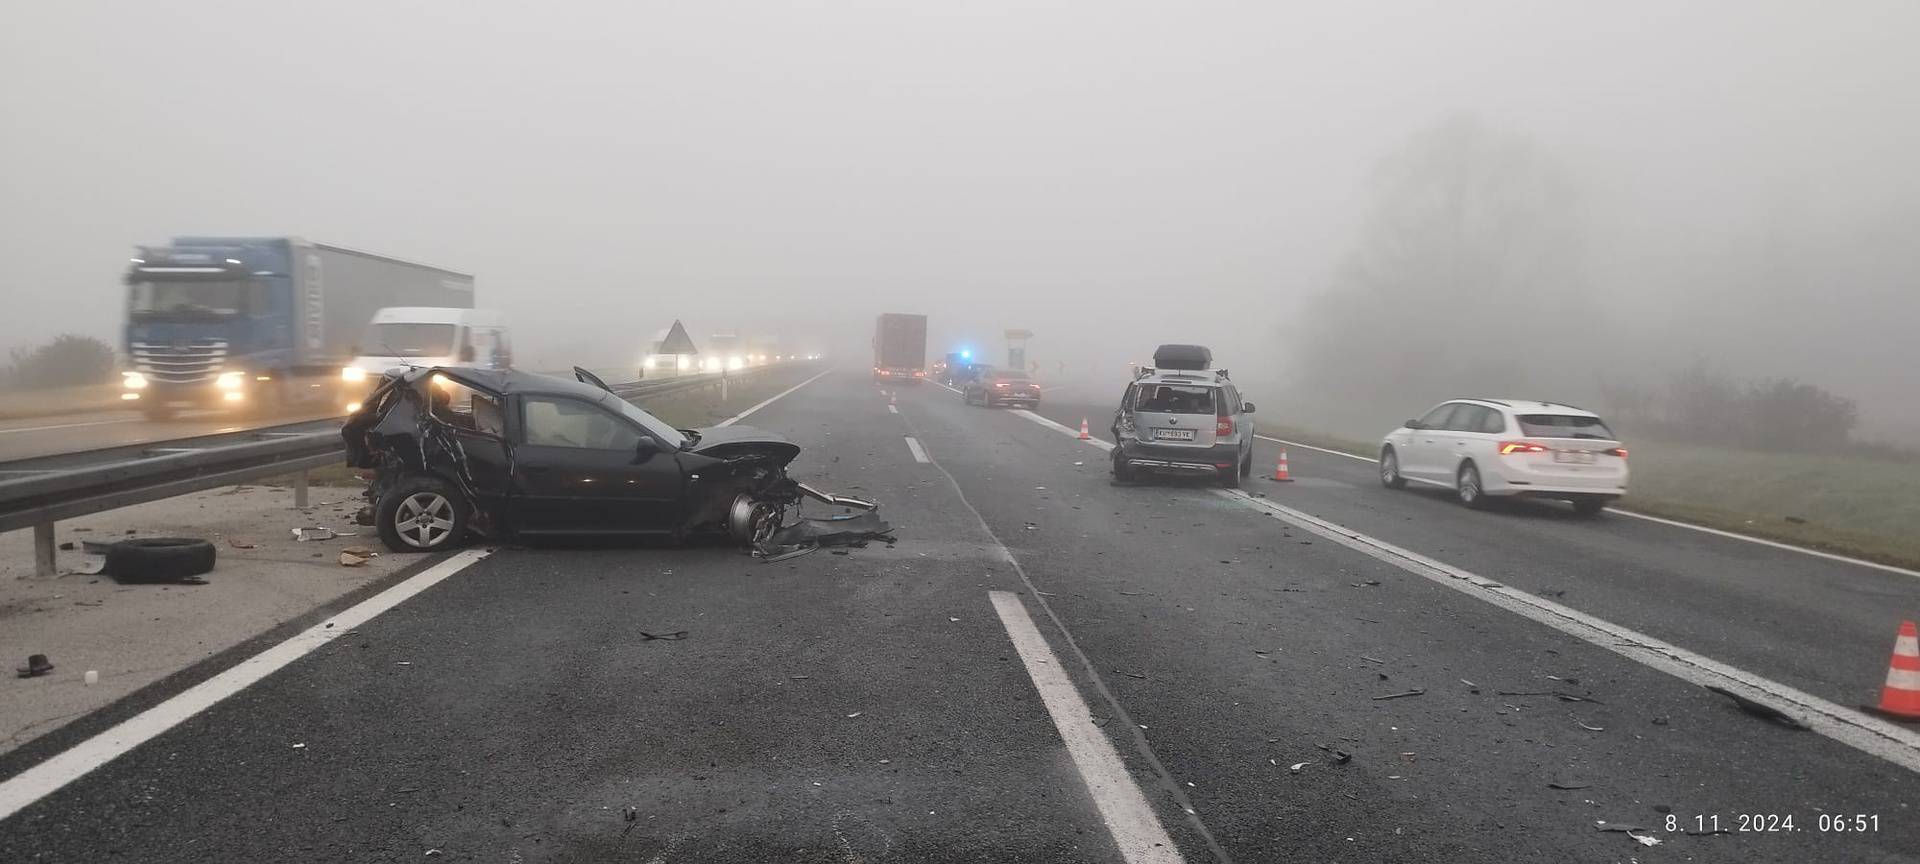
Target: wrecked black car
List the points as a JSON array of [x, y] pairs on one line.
[[508, 454]]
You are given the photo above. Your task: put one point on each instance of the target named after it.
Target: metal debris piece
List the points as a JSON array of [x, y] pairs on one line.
[[1140, 675], [319, 532], [1569, 786], [1416, 692], [675, 636], [1590, 728]]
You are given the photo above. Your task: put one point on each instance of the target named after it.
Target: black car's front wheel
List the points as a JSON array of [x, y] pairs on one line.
[[424, 514]]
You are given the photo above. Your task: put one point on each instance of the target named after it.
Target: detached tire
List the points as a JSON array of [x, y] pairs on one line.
[[159, 559], [423, 514]]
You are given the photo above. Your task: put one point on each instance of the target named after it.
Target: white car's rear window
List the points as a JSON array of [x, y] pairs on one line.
[[1564, 426]]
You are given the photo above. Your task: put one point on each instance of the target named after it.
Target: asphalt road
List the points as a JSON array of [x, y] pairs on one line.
[[1197, 665]]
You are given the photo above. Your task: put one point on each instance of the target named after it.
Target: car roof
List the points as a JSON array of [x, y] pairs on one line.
[[1529, 406], [1198, 378], [512, 381]]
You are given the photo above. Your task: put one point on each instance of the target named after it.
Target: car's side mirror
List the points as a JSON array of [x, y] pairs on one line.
[[645, 449], [1246, 408], [1413, 424]]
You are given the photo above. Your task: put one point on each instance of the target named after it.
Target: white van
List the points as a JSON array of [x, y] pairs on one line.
[[401, 336]]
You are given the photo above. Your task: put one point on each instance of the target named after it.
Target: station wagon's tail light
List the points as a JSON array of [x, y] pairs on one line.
[[1223, 427], [1617, 451], [1508, 448]]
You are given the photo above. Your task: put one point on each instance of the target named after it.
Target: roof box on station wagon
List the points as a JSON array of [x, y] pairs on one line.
[[1182, 357]]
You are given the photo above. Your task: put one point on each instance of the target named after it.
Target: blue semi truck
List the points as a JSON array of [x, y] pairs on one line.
[[260, 323]]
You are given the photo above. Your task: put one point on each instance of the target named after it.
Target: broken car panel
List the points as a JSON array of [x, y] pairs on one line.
[[508, 454]]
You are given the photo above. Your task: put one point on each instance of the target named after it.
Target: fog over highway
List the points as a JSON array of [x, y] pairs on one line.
[[1026, 432]]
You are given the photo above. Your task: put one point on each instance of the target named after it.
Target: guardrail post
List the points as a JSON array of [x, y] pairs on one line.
[[43, 549], [300, 490]]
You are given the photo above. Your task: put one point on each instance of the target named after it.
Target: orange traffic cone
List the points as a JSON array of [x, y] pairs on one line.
[[1280, 470], [1084, 434], [1900, 698]]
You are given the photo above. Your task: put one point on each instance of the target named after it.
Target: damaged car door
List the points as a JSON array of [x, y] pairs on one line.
[[585, 469]]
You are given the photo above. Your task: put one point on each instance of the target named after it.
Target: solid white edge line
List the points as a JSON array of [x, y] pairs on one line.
[[41, 780], [1731, 535], [774, 398], [919, 452], [68, 426], [1136, 830], [1860, 731]]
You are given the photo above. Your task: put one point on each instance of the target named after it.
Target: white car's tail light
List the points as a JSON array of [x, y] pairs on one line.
[[1508, 448]]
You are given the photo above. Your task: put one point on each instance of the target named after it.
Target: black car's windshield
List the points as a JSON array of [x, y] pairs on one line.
[[657, 426]]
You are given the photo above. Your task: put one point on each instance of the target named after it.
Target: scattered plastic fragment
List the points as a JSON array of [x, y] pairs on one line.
[[1590, 728], [315, 533], [1569, 786], [1761, 709], [1414, 692], [37, 665], [92, 677], [675, 636]]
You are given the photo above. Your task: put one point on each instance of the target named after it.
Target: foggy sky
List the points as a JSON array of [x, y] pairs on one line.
[[604, 168]]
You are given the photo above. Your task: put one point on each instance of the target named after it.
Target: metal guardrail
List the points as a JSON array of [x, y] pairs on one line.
[[76, 484]]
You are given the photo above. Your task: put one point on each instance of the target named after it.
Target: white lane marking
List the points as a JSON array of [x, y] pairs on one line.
[[1867, 734], [1311, 447], [1731, 535], [1057, 427], [893, 409], [68, 426], [1774, 543], [1135, 828], [1862, 732], [45, 778], [919, 452], [774, 398], [948, 389]]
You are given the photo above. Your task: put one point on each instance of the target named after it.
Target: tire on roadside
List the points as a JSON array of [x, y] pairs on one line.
[[398, 516], [159, 559]]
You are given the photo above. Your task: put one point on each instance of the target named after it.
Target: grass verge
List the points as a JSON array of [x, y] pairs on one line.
[[1860, 507]]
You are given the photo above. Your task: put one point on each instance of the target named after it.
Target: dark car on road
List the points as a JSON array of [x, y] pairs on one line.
[[509, 454], [993, 387]]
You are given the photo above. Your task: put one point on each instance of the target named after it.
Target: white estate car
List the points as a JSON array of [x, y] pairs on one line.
[[1482, 448]]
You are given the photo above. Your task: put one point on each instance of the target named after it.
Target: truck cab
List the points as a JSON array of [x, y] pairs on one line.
[[425, 336]]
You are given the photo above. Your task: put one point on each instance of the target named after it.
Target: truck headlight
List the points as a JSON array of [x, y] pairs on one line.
[[230, 380], [133, 381], [353, 374]]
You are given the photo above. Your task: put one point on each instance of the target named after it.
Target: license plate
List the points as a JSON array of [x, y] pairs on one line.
[[1578, 457], [1173, 434]]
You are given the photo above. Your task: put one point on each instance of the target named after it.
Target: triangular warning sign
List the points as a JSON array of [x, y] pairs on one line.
[[677, 341]]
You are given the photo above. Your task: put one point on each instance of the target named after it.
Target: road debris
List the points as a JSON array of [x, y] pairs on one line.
[[92, 677], [300, 746], [238, 543], [318, 532], [37, 665], [1590, 728], [1295, 767], [1140, 675], [855, 714], [348, 559], [151, 560], [1569, 786], [675, 636], [1415, 692], [1761, 710]]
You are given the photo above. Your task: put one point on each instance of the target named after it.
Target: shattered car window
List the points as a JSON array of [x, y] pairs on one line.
[[1175, 399], [561, 422]]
